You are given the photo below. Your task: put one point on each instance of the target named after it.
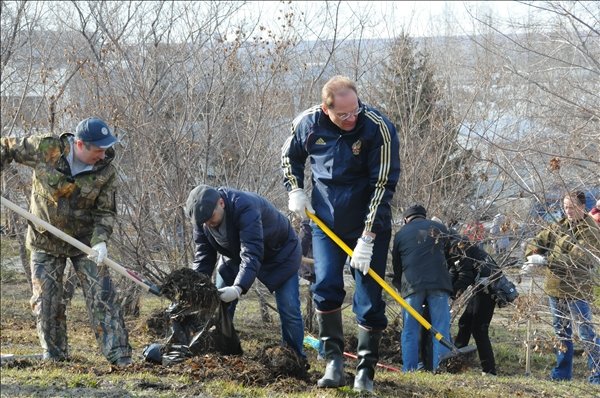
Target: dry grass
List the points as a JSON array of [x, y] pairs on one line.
[[88, 374]]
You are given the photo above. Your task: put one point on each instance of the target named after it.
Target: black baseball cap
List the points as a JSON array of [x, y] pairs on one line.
[[95, 131], [201, 203]]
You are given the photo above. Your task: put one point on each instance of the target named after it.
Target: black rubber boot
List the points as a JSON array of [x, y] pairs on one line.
[[368, 355], [332, 335]]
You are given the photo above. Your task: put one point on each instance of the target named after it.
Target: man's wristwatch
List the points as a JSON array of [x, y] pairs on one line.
[[367, 238]]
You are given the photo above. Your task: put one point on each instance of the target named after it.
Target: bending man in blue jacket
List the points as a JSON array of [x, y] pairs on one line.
[[355, 165], [255, 241]]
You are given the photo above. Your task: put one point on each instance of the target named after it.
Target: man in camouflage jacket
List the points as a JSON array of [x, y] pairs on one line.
[[73, 188], [571, 250]]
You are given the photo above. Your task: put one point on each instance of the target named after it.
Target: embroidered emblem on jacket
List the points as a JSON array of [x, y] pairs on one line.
[[320, 141], [356, 147]]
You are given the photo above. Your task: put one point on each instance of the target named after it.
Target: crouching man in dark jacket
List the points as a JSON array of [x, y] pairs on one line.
[[255, 241]]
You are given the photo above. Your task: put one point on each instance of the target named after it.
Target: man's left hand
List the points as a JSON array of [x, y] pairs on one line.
[[102, 253], [361, 256], [230, 293]]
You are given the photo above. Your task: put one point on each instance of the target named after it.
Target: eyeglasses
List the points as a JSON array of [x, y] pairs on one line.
[[346, 116]]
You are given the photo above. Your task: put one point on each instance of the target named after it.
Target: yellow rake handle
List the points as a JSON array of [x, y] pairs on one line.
[[440, 337]]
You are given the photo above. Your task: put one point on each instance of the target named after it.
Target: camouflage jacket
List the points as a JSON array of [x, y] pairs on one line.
[[572, 251], [82, 206]]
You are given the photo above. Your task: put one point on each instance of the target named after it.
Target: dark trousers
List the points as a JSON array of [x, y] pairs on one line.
[[476, 321]]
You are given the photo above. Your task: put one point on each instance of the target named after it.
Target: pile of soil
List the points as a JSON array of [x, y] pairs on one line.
[[283, 361]]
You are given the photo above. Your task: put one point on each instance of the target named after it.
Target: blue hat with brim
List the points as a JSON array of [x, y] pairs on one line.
[[95, 132]]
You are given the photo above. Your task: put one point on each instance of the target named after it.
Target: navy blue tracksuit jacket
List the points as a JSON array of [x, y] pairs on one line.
[[354, 173]]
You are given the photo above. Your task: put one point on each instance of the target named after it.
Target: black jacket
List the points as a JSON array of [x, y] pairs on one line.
[[467, 261], [418, 257]]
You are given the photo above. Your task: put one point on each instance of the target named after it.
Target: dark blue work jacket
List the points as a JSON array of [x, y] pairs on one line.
[[354, 173], [419, 258], [262, 243]]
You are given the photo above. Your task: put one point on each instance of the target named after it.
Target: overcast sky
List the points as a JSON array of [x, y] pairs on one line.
[[419, 18]]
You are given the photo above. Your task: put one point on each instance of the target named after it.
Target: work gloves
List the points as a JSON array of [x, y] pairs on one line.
[[533, 263], [101, 253], [298, 201], [230, 293], [361, 256]]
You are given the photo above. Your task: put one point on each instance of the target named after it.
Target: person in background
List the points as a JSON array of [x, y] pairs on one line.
[[569, 250], [355, 166], [465, 264], [73, 189], [475, 232], [498, 233], [421, 276], [255, 241]]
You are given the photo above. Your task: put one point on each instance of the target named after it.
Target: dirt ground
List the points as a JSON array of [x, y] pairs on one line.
[[264, 369]]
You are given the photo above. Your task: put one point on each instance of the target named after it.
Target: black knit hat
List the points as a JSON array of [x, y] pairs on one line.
[[414, 210], [201, 203]]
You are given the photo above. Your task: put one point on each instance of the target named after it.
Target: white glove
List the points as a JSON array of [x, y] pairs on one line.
[[361, 256], [536, 259], [230, 293], [101, 253], [298, 201]]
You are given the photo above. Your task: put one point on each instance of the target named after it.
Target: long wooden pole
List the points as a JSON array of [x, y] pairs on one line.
[[127, 273]]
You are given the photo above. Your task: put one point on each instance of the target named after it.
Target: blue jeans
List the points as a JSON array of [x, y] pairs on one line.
[[565, 314], [328, 289], [439, 311], [287, 298]]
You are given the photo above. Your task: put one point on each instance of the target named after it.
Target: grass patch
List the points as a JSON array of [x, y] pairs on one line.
[[89, 374], [9, 247]]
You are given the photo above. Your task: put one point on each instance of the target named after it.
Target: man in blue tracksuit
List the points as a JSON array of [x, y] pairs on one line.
[[255, 241], [354, 157]]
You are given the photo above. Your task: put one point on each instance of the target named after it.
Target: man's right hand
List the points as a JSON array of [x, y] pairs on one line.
[[298, 201]]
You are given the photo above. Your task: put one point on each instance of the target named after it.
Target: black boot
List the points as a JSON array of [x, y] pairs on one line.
[[332, 335], [368, 355]]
